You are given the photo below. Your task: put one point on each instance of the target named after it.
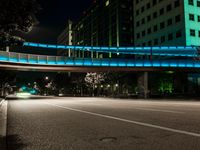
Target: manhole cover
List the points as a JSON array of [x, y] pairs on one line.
[[108, 139]]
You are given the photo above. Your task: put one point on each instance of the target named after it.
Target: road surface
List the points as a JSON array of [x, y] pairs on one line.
[[102, 124]]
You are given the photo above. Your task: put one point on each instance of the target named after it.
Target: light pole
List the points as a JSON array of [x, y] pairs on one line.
[[46, 78], [117, 89], [46, 86], [108, 89]]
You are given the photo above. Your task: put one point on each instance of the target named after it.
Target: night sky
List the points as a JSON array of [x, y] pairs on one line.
[[53, 18]]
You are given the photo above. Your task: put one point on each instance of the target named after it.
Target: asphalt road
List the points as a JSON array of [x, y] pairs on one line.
[[102, 124]]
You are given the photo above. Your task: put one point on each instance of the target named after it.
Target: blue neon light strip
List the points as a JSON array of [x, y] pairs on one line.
[[64, 61], [179, 51]]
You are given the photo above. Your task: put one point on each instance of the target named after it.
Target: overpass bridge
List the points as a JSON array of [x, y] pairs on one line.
[[141, 59], [33, 62], [156, 59]]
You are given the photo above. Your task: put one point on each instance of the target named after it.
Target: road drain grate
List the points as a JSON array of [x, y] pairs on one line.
[[108, 139]]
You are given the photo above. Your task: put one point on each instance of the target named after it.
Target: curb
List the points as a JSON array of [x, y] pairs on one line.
[[3, 124], [3, 100]]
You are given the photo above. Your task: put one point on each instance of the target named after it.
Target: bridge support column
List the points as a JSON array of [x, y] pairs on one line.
[[7, 48], [142, 82]]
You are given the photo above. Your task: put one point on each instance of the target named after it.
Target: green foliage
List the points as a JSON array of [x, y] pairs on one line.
[[166, 87], [165, 84], [7, 76], [162, 83], [93, 79], [16, 15]]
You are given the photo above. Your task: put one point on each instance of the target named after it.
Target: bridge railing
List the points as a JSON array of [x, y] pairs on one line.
[[32, 59], [176, 51]]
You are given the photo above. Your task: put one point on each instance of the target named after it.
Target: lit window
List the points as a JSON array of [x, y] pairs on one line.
[[107, 2]]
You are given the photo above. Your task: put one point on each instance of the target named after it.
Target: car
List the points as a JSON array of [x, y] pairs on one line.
[[22, 95]]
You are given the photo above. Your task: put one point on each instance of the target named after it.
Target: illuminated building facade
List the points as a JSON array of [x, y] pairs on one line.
[[106, 23], [168, 23], [65, 38]]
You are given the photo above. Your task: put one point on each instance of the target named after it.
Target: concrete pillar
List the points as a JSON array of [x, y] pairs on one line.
[[7, 48], [143, 85], [181, 82]]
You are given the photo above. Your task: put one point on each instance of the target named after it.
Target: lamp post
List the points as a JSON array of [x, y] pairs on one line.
[[46, 86], [46, 78], [117, 89]]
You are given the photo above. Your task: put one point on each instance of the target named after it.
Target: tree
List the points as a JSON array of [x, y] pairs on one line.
[[6, 78], [61, 81], [94, 79], [161, 83], [41, 83], [126, 83], [16, 15], [166, 85], [78, 83]]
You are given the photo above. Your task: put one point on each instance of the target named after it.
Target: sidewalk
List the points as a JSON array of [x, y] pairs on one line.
[[3, 123]]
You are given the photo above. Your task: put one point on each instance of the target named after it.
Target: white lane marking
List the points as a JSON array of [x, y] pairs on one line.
[[129, 121], [167, 111]]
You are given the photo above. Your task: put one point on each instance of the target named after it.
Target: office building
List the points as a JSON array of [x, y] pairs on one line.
[[167, 22], [65, 38], [106, 23]]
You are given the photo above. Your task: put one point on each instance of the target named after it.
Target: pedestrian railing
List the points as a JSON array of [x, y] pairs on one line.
[[170, 51], [33, 59]]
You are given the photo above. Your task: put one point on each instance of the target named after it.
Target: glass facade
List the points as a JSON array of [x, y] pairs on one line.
[[106, 23], [138, 23]]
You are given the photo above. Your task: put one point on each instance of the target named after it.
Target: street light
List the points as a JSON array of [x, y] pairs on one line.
[[47, 84], [117, 85]]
